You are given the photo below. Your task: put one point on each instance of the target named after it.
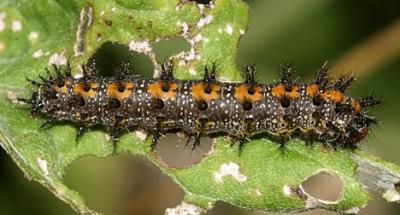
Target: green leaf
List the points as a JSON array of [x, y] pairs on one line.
[[38, 33]]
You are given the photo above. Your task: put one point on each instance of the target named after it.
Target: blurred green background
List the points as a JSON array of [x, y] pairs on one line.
[[355, 36]]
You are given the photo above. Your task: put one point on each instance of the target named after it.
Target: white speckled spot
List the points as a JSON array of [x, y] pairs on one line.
[[242, 32], [287, 190], [354, 210], [391, 195], [204, 21], [184, 209], [140, 46], [185, 28], [78, 75], [197, 38], [141, 135], [231, 169], [43, 166], [102, 13], [16, 26], [38, 53], [258, 192], [33, 36], [224, 79], [113, 9], [58, 59], [192, 71], [12, 96], [229, 29]]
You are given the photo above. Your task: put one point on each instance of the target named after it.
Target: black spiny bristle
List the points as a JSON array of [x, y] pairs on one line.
[[249, 74], [369, 101], [167, 71], [84, 71], [124, 70], [322, 75], [89, 69], [28, 101], [344, 82], [68, 70], [57, 69], [33, 82], [209, 73], [286, 73], [362, 119], [42, 78]]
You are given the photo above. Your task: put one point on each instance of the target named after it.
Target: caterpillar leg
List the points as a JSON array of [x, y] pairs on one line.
[[156, 132], [196, 142], [154, 140], [47, 124], [114, 137], [79, 133]]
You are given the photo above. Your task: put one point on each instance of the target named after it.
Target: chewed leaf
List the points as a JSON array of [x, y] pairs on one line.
[[263, 177]]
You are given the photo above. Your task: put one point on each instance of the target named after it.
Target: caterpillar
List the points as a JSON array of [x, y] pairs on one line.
[[317, 111]]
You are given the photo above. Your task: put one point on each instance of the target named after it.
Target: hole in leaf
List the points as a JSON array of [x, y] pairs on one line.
[[172, 151], [166, 48], [202, 1], [122, 184], [397, 186], [324, 186], [225, 208], [110, 56]]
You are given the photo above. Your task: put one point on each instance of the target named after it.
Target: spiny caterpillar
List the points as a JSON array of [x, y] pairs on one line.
[[316, 111]]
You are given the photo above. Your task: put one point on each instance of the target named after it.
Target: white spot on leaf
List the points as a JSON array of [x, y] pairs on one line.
[[43, 166], [231, 169], [140, 46], [258, 192], [391, 195], [192, 71], [354, 210], [38, 53], [185, 28], [58, 59], [107, 136], [33, 36], [204, 21], [184, 209], [286, 190], [141, 135], [224, 79], [197, 38], [229, 29], [12, 96], [16, 26]]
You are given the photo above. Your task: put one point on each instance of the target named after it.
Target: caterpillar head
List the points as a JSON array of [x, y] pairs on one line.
[[359, 128]]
